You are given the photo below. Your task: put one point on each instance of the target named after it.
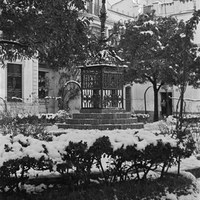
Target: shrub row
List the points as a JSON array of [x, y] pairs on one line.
[[80, 162], [60, 116]]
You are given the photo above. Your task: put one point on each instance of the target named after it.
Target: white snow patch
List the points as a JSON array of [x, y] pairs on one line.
[[147, 32]]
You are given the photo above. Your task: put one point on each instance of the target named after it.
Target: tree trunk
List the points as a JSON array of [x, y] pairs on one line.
[[155, 116], [181, 107]]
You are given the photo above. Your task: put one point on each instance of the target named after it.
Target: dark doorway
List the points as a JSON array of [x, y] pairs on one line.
[[128, 98], [166, 104]]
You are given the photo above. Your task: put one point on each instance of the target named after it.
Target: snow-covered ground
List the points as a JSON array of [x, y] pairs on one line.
[[117, 139], [186, 164]]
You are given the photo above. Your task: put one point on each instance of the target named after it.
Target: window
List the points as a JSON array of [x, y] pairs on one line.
[[14, 82], [93, 7], [90, 7], [1, 34], [97, 7], [42, 85], [147, 9]]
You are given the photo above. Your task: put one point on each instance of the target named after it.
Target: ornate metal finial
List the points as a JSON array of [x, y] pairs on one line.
[[106, 55], [102, 18]]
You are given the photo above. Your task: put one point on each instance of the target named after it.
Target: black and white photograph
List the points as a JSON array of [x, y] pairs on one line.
[[99, 99]]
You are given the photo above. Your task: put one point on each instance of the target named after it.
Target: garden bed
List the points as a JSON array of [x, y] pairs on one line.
[[92, 164], [169, 187]]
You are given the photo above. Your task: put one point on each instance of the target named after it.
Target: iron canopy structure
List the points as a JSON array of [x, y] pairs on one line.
[[102, 86]]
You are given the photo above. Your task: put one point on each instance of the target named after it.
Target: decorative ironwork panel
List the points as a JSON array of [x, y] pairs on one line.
[[112, 69], [112, 99], [120, 98], [91, 79], [91, 98], [112, 80], [102, 87], [107, 102]]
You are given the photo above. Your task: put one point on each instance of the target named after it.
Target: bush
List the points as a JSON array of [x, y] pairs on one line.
[[150, 189], [117, 156], [141, 117]]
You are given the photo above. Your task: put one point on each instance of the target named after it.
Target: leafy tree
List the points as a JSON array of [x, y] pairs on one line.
[[184, 61], [151, 46], [143, 44], [53, 31], [183, 58]]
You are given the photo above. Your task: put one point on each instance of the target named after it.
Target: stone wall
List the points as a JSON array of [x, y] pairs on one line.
[[15, 108]]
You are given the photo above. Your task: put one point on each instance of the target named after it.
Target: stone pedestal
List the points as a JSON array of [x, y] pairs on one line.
[[102, 120]]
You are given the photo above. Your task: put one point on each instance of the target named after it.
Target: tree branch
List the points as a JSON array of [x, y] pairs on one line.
[[149, 78], [12, 42]]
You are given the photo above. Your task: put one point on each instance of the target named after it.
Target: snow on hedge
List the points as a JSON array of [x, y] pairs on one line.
[[20, 145]]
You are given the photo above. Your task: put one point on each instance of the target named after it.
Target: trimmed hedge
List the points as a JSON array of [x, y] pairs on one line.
[[78, 160]]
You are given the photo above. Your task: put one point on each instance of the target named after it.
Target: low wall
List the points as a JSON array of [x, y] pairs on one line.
[[15, 108], [48, 106]]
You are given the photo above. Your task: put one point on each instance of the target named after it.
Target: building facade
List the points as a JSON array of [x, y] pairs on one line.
[[24, 86]]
